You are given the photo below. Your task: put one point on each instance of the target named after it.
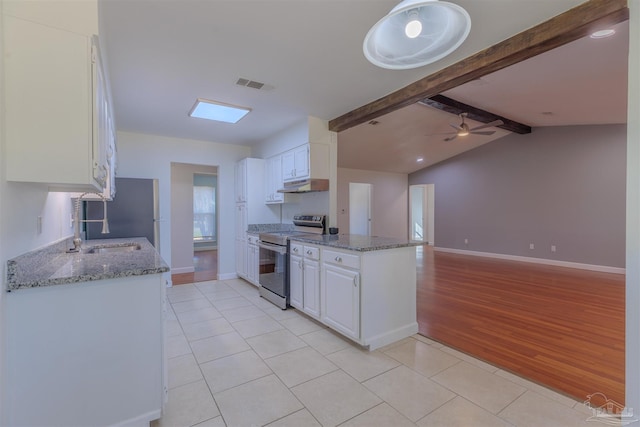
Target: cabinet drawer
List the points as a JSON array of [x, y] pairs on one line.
[[341, 258], [311, 252], [297, 249]]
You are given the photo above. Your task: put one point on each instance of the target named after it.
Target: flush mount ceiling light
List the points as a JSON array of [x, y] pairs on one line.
[[218, 111], [602, 34], [416, 33]]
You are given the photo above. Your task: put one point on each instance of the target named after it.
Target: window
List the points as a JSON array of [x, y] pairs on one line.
[[204, 212]]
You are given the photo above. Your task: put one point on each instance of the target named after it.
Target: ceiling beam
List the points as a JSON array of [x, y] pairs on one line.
[[569, 26], [452, 106]]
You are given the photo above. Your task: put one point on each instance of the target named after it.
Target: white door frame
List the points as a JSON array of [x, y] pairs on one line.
[[359, 208], [427, 212]]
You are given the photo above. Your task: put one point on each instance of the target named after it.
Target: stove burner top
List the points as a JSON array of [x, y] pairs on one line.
[[303, 224]]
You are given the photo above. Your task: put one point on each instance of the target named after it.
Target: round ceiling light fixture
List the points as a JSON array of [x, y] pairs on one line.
[[416, 33]]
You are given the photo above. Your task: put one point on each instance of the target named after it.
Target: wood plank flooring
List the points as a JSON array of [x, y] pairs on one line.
[[557, 326], [205, 265]]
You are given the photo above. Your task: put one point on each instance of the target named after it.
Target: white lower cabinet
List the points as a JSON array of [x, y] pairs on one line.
[[296, 278], [341, 299], [253, 259], [304, 279], [241, 258], [81, 354], [311, 289]]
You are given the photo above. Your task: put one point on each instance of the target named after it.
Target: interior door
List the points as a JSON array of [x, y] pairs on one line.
[[421, 213], [359, 208]]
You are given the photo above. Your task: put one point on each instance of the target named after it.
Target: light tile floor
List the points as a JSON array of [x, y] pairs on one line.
[[237, 360]]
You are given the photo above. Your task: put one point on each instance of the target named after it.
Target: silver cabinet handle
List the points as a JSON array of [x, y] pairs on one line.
[[295, 250], [309, 252], [338, 259], [356, 280]]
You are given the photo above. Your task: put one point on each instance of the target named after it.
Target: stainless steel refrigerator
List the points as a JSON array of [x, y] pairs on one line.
[[133, 212]]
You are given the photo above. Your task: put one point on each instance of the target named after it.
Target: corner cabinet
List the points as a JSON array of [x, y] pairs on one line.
[[59, 128]]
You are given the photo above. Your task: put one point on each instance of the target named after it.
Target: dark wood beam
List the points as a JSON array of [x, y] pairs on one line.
[[452, 106], [569, 26]]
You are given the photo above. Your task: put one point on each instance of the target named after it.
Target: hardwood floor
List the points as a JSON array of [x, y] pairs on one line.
[[560, 327], [205, 265]]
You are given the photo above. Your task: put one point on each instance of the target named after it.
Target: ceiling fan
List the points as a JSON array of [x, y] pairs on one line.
[[463, 129]]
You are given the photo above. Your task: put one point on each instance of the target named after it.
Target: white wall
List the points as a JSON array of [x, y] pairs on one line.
[[150, 156], [182, 214], [389, 201]]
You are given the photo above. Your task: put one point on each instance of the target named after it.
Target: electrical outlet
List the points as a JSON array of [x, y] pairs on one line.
[[531, 246], [553, 248]]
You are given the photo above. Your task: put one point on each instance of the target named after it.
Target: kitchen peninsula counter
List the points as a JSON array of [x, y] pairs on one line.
[[363, 287], [77, 320], [52, 265], [356, 242]]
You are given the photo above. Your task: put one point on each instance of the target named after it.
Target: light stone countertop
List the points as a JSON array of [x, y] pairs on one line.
[[355, 242], [51, 265]]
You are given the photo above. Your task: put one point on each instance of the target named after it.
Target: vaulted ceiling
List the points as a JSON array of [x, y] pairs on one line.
[[162, 55]]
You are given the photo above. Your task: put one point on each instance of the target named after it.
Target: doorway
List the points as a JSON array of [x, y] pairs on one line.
[[359, 208], [421, 213], [194, 223]]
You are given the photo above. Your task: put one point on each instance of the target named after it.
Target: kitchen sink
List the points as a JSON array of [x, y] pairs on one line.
[[126, 247]]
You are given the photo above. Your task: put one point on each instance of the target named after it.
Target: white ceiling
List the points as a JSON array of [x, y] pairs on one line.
[[163, 54]]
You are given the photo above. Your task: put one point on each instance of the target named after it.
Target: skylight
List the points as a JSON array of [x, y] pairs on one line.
[[218, 111]]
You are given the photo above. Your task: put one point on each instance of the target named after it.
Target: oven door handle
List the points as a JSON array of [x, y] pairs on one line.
[[271, 247]]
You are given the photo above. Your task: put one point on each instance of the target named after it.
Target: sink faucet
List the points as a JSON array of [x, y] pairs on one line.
[[77, 240]]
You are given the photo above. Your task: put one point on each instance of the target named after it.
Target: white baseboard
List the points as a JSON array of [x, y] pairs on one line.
[[600, 268], [141, 420], [181, 270], [227, 276], [392, 336]]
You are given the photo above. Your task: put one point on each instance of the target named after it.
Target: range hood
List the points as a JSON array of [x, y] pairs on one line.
[[305, 186]]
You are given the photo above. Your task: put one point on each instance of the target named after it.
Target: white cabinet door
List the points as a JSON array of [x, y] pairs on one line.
[[301, 162], [273, 178], [311, 295], [341, 299], [241, 258], [296, 282], [241, 181], [241, 221], [252, 263], [49, 118], [295, 164]]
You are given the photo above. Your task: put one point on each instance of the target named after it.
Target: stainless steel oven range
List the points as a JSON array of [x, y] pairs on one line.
[[274, 257]]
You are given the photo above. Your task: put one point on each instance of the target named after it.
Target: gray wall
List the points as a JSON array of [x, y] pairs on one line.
[[562, 186]]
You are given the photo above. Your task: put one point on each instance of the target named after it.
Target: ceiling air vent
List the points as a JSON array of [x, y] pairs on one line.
[[253, 84]]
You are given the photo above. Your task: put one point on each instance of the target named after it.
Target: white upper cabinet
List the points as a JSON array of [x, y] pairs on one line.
[[273, 179], [306, 161], [59, 128], [241, 181]]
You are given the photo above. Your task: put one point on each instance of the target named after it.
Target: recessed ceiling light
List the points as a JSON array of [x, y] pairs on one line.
[[602, 34], [420, 159], [218, 111]]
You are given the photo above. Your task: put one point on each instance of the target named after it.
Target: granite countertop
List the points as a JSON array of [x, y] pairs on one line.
[[355, 242], [51, 265]]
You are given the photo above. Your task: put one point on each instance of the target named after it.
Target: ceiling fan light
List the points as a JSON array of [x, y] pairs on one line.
[[443, 28]]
